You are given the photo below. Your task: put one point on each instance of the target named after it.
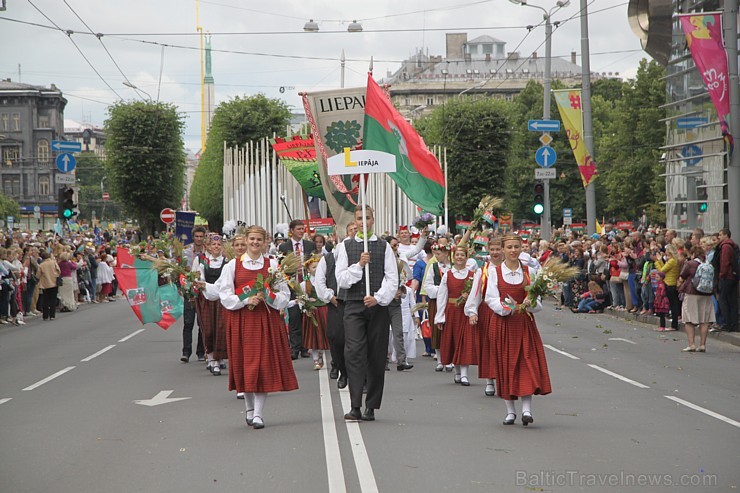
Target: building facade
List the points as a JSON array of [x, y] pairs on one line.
[[31, 117], [480, 66], [695, 155]]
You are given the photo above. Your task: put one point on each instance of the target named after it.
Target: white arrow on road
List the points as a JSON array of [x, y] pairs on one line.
[[161, 398], [621, 339]]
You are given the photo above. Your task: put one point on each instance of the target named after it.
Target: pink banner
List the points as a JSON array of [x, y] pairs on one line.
[[704, 36]]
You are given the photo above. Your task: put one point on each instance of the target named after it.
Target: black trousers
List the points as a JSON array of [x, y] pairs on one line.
[[295, 329], [49, 302], [188, 318], [727, 300], [365, 349], [671, 293], [335, 334]]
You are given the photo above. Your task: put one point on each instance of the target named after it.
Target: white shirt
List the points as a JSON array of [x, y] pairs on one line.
[[443, 293], [474, 299], [210, 293], [349, 275], [324, 293], [410, 253], [493, 297], [429, 288], [225, 284]]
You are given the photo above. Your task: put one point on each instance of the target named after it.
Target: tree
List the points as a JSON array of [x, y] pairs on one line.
[[8, 206], [145, 159], [91, 178], [235, 122], [477, 135]]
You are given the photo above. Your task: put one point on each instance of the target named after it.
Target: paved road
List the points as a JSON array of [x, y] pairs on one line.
[[629, 412]]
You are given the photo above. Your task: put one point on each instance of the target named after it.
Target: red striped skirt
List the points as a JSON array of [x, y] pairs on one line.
[[459, 343], [486, 327], [314, 336], [212, 321]]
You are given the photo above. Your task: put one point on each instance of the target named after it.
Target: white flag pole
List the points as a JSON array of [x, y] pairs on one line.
[[364, 229]]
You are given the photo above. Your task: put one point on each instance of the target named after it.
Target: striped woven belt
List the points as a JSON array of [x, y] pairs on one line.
[[451, 301]]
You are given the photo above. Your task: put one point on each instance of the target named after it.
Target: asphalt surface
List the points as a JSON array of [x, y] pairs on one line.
[[629, 412]]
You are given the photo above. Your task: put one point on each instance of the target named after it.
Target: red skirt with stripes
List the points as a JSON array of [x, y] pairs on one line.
[[314, 336], [486, 327], [212, 321], [459, 338]]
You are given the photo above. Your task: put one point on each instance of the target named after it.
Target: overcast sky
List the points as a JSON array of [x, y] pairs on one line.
[[263, 46]]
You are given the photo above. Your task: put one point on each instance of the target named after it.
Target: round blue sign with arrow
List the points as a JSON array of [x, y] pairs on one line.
[[546, 156], [66, 162]]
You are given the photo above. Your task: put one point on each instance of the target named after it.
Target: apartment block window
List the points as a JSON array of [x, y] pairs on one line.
[[16, 122], [44, 185], [10, 155], [5, 122], [44, 122], [430, 101], [43, 151], [488, 49], [12, 185]]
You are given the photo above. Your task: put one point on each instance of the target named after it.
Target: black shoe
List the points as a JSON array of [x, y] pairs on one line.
[[527, 418], [257, 423], [341, 382], [353, 415], [334, 373], [201, 357], [304, 354], [294, 355], [490, 392], [387, 368], [185, 358], [464, 382], [404, 366], [510, 418], [369, 414]]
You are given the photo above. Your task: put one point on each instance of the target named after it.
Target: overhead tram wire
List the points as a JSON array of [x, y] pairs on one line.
[[69, 35], [99, 36]]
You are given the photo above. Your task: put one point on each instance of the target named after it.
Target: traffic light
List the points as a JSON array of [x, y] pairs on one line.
[[66, 203], [539, 198], [701, 194]]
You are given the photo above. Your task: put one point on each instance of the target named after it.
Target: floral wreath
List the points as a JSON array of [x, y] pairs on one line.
[[313, 259], [445, 248]]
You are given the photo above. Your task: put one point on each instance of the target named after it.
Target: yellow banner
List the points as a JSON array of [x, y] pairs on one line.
[[569, 104]]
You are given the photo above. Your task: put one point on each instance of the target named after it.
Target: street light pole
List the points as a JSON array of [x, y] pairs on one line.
[[733, 169], [588, 132]]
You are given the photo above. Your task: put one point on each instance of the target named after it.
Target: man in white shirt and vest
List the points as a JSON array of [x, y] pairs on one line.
[[366, 318]]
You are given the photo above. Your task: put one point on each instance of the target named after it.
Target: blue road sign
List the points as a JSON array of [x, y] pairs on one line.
[[66, 162], [543, 125], [692, 154], [567, 212], [691, 121], [545, 156], [63, 145]]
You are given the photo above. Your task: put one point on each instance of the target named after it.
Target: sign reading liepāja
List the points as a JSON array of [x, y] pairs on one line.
[[363, 161]]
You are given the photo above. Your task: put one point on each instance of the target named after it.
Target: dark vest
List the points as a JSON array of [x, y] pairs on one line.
[[210, 273], [331, 277], [377, 267]]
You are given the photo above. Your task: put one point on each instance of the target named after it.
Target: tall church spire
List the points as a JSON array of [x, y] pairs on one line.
[[210, 89]]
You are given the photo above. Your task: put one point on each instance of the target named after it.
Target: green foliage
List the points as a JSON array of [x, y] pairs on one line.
[[8, 207], [477, 135], [90, 174], [145, 159], [235, 122]]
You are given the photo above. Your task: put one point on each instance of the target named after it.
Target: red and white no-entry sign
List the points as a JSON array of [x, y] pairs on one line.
[[167, 215]]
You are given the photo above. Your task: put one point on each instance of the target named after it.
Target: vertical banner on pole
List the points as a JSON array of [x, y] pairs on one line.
[[184, 224]]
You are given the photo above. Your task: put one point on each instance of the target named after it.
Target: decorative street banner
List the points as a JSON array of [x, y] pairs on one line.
[[184, 224], [569, 104], [150, 302], [418, 172], [298, 155], [322, 226], [336, 119], [462, 225], [704, 36]]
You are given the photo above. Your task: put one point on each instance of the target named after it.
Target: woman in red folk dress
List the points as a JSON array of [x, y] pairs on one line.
[[211, 314], [521, 367], [259, 356], [314, 326], [459, 344], [432, 279], [480, 313]]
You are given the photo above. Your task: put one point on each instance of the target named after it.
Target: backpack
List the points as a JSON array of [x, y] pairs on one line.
[[703, 280]]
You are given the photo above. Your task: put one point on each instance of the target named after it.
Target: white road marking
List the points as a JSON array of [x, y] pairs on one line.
[[703, 410], [334, 469], [49, 378], [163, 397], [95, 355], [132, 335], [620, 377], [3, 401], [551, 348], [621, 339], [362, 461]]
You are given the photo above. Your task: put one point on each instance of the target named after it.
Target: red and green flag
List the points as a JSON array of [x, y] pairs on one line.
[[418, 172], [150, 302]]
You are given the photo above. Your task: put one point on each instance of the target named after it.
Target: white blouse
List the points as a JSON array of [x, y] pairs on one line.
[[443, 293], [225, 284], [493, 297], [210, 293], [429, 288]]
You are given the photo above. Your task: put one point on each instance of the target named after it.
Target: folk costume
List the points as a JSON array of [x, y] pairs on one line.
[[259, 355], [326, 288], [459, 342], [314, 327], [211, 314], [475, 306], [432, 280], [521, 366]]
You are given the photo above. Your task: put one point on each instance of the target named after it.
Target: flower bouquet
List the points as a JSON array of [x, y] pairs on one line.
[[272, 283], [307, 304], [486, 205], [467, 287], [424, 220], [548, 278]]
